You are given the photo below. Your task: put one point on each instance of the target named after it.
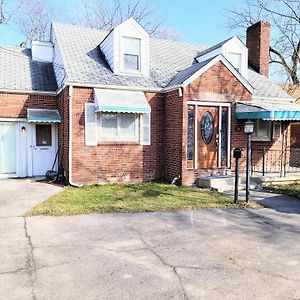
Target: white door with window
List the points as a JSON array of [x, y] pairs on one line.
[[8, 148], [43, 147]]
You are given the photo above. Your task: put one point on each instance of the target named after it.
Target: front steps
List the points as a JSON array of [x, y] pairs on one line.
[[223, 183]]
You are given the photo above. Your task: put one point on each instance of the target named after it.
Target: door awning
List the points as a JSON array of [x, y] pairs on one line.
[[121, 101], [268, 111], [43, 116]]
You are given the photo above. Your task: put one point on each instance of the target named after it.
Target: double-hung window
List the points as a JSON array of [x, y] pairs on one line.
[[131, 54], [262, 130], [118, 127]]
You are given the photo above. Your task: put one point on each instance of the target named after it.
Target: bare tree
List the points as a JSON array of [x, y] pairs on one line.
[[284, 15], [34, 20], [106, 15], [8, 8]]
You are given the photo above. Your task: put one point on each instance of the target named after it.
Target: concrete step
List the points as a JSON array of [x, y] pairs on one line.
[[223, 183]]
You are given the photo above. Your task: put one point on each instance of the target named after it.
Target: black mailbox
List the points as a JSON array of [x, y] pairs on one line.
[[237, 153]]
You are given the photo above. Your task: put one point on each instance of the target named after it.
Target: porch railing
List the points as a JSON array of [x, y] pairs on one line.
[[278, 162]]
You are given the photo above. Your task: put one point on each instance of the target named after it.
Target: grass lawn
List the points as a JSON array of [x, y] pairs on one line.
[[287, 189], [132, 198]]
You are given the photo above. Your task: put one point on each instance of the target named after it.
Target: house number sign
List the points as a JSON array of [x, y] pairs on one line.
[[207, 127]]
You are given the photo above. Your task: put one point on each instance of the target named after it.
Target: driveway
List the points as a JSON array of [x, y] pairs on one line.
[[204, 254]]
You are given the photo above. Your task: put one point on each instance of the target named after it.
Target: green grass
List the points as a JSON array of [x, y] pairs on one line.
[[131, 198], [287, 189]]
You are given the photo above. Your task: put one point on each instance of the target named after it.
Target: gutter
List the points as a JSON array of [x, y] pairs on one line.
[[43, 93], [70, 137]]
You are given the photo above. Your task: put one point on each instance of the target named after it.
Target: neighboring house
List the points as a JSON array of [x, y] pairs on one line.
[[123, 107]]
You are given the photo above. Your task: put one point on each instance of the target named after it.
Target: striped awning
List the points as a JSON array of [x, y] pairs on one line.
[[43, 116], [268, 111], [121, 101]]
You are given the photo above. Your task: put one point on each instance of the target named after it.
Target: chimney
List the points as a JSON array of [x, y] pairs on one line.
[[258, 44]]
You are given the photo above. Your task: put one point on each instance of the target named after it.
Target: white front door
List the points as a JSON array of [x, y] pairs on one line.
[[8, 148], [44, 145]]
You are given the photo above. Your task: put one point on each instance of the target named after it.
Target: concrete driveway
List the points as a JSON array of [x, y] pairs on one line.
[[205, 254]]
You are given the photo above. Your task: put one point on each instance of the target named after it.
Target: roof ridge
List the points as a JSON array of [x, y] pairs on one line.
[[108, 31]]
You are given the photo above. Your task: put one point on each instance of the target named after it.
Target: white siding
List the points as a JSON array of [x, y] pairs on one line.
[[57, 62], [233, 46], [107, 47], [112, 46]]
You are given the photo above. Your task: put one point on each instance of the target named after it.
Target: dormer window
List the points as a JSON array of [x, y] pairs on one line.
[[131, 54], [236, 60], [126, 49]]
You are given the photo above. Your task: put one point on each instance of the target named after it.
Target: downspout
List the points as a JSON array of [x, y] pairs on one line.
[[70, 137]]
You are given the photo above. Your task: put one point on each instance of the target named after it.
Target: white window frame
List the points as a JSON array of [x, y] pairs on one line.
[[280, 130], [126, 70], [119, 137], [261, 138]]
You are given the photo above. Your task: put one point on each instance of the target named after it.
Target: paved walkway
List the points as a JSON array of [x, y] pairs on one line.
[[204, 254], [278, 202]]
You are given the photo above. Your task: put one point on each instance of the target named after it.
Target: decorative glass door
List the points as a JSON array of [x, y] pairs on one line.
[[208, 128]]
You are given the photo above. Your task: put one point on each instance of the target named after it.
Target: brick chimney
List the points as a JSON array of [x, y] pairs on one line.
[[258, 44]]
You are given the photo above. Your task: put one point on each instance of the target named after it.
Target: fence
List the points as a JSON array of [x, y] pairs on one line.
[[282, 162]]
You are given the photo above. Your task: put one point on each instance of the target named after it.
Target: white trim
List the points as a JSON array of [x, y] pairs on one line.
[[228, 65], [196, 138], [208, 103], [115, 87], [220, 138], [54, 93], [229, 137], [13, 120]]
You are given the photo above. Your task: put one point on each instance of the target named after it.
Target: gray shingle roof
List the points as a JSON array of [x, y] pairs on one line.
[[264, 87], [85, 63], [171, 62], [19, 72], [185, 74]]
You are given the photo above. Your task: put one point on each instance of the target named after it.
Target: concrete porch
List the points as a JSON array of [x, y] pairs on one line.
[[223, 183]]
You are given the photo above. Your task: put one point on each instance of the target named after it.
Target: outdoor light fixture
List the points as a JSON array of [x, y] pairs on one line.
[[23, 129], [249, 127]]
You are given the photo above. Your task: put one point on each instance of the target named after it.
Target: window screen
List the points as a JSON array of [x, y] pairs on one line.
[[43, 135]]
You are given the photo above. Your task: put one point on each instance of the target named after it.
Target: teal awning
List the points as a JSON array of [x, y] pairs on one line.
[[43, 116], [121, 101], [268, 111]]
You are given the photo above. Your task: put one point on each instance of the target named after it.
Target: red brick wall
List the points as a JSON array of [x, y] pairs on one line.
[[63, 131], [258, 43], [173, 124], [216, 84], [114, 161], [15, 105]]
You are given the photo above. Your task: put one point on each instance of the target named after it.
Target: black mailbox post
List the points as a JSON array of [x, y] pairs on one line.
[[237, 154]]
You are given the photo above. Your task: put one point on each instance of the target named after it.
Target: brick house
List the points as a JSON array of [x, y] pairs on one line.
[[120, 106]]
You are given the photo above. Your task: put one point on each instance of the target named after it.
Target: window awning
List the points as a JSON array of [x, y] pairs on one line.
[[43, 116], [268, 111], [121, 101]]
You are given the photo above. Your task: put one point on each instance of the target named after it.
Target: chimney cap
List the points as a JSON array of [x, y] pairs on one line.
[[259, 24]]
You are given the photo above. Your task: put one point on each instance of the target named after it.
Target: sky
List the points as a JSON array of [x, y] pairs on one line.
[[197, 21]]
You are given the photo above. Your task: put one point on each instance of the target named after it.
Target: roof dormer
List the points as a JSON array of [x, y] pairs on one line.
[[233, 50], [126, 49]]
